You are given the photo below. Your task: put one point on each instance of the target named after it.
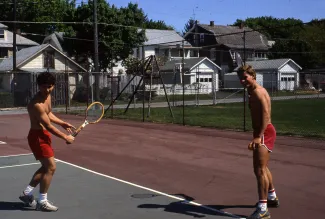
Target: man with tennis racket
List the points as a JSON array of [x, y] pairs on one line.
[[264, 135], [39, 140]]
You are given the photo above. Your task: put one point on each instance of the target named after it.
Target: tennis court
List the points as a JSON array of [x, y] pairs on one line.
[[125, 169]]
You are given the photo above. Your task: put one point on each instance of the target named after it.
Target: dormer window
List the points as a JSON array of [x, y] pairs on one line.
[[201, 37], [2, 34], [49, 59]]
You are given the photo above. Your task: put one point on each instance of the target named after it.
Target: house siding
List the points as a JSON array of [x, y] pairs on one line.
[[62, 63], [37, 62]]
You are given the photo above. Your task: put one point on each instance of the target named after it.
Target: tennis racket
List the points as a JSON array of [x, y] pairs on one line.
[[94, 113]]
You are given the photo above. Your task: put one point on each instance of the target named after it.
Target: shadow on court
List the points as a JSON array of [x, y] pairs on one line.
[[182, 207], [14, 206]]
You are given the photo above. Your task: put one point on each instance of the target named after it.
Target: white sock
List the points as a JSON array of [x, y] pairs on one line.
[[262, 204], [28, 190], [271, 195], [42, 197]]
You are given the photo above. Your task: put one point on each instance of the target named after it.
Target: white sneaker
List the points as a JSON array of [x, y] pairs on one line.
[[46, 206], [28, 200]]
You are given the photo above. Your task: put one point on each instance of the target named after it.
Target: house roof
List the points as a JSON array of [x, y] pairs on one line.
[[269, 64], [165, 37], [54, 39], [2, 26], [189, 63], [27, 54], [232, 36], [20, 40], [21, 56]]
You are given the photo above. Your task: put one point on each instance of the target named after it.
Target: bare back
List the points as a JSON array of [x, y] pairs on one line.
[[260, 107], [38, 101]]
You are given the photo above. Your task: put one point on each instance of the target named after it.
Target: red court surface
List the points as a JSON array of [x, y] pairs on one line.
[[214, 167]]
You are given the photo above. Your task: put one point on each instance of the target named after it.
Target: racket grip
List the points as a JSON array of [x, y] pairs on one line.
[[77, 131]]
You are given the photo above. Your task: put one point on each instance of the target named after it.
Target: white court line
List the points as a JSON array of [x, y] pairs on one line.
[[161, 193], [18, 165], [2, 142], [16, 155]]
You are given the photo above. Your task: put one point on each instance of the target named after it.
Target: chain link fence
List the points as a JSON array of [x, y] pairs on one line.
[[195, 85]]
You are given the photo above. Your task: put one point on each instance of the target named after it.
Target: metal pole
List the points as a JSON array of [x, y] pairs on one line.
[[14, 36], [244, 88], [14, 52], [143, 81], [214, 82], [96, 50], [183, 82]]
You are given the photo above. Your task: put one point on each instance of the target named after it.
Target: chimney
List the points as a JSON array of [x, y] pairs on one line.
[[211, 23], [197, 22], [241, 25]]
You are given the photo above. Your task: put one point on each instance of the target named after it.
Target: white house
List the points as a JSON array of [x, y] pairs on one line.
[[36, 59], [6, 42], [200, 76], [279, 74], [166, 43]]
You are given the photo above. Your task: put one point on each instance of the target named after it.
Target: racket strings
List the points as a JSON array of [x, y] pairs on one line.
[[94, 113]]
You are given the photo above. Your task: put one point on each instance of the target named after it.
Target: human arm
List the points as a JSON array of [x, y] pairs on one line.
[[45, 120], [263, 117], [56, 120]]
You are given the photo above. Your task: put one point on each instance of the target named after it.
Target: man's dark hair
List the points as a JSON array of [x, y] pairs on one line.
[[46, 78]]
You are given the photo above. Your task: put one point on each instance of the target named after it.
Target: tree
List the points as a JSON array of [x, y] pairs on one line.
[[160, 25], [302, 42], [190, 23], [298, 50], [117, 32], [39, 11], [272, 27]]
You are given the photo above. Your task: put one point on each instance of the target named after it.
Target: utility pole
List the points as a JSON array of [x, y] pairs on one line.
[[96, 51], [14, 36]]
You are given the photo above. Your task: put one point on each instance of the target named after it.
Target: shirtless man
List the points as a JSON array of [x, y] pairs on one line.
[[39, 140], [264, 136]]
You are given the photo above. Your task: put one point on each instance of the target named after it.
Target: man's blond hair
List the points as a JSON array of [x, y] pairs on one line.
[[248, 69]]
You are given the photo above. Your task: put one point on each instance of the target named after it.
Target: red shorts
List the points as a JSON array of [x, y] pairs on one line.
[[40, 143], [269, 137]]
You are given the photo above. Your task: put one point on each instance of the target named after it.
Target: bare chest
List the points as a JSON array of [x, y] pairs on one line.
[[253, 103]]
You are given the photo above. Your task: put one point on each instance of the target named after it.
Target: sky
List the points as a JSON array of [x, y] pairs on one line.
[[223, 12]]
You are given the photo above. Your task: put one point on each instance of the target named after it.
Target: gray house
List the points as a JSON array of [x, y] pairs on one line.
[[33, 60], [6, 42], [221, 43], [200, 75], [276, 74]]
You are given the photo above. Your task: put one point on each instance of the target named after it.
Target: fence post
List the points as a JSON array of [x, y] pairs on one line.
[[214, 81], [244, 88], [183, 82], [143, 81]]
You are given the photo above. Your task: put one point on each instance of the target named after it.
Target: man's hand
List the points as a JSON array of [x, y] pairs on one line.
[[256, 143], [69, 139], [68, 126]]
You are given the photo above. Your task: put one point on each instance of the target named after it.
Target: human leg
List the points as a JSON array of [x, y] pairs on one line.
[[49, 169], [260, 161]]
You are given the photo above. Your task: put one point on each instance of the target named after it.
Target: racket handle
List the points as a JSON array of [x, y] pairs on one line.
[[77, 131]]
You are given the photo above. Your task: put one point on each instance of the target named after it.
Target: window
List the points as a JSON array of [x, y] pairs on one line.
[[201, 37], [157, 51], [213, 54], [194, 38], [3, 52], [2, 34], [49, 60]]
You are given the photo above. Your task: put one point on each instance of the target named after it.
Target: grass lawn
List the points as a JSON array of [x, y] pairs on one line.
[[302, 117]]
